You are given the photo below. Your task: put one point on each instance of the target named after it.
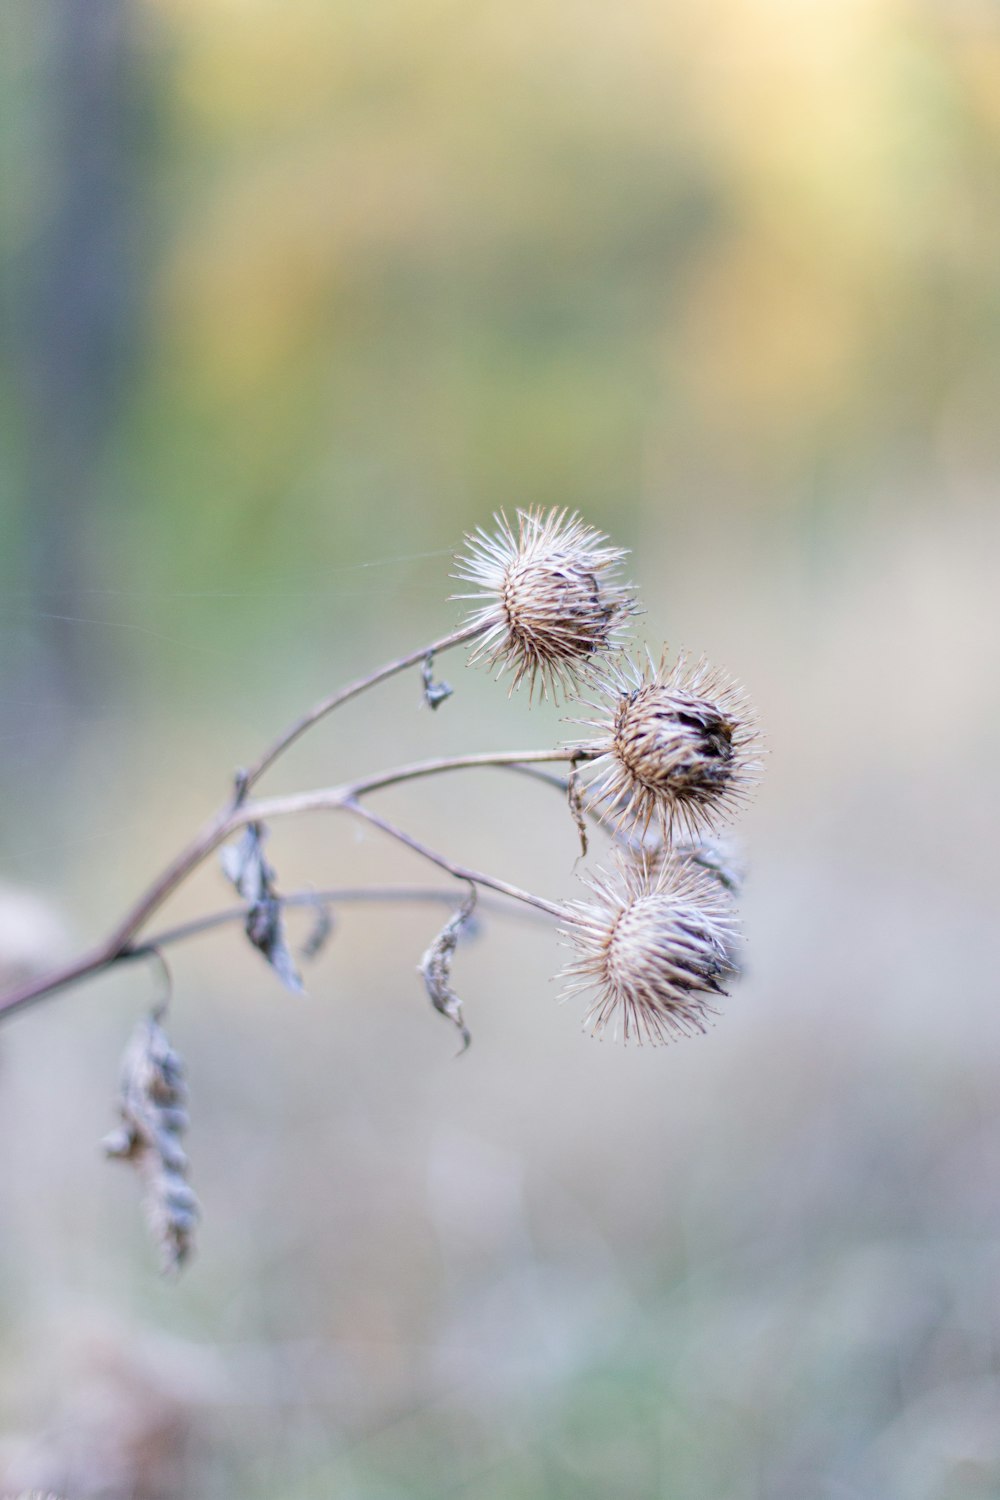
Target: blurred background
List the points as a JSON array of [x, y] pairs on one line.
[[294, 295]]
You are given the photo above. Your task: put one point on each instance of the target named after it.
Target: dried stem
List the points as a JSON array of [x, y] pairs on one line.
[[460, 872], [331, 896], [320, 710], [325, 799], [230, 819]]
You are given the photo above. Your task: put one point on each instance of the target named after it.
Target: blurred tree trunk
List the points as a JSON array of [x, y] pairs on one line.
[[75, 319]]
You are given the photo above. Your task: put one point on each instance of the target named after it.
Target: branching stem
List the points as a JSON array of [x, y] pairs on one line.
[[332, 896], [325, 706], [119, 945], [460, 872]]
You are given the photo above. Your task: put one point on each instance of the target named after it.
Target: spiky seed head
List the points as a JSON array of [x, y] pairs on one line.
[[547, 600], [678, 744], [656, 946]]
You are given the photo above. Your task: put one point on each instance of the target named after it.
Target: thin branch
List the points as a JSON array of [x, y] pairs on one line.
[[460, 872], [461, 763], [333, 896], [56, 979], [327, 799], [230, 819], [326, 705], [561, 783]]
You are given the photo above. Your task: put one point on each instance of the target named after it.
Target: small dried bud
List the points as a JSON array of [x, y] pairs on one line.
[[151, 1105], [656, 947], [548, 602], [677, 744]]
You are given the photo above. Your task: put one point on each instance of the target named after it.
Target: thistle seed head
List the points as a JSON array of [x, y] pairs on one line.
[[677, 744], [547, 602], [656, 947]]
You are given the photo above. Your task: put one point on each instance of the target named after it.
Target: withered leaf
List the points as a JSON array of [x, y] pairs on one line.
[[435, 966], [574, 796], [245, 864], [151, 1105], [435, 693]]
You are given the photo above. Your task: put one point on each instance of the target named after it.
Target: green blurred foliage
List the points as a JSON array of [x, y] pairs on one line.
[[405, 262]]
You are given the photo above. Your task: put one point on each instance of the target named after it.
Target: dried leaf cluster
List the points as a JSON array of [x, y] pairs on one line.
[[154, 1118]]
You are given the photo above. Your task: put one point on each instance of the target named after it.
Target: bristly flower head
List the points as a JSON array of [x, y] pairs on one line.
[[678, 745], [547, 599], [656, 946]]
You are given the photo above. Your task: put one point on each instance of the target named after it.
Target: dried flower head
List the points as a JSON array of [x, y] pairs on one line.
[[548, 602], [656, 946], [678, 744]]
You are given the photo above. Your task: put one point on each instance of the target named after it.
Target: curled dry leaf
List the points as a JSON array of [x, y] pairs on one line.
[[574, 795], [435, 693], [245, 864], [435, 966], [153, 1120]]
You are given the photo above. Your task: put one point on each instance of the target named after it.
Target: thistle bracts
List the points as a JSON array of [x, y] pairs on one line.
[[655, 945], [676, 749], [548, 602]]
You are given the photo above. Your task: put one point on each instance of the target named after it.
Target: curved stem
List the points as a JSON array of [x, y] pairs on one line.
[[333, 896], [460, 872], [56, 979], [228, 820], [326, 705], [325, 799], [461, 763]]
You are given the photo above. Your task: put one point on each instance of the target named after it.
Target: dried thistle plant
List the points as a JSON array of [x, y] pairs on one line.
[[677, 745], [548, 602], [656, 946], [674, 753]]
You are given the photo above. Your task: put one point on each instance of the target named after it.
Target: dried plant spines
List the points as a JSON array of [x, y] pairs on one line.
[[656, 947], [549, 599], [677, 746]]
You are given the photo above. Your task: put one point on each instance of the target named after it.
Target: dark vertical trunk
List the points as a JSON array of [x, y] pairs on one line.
[[73, 318]]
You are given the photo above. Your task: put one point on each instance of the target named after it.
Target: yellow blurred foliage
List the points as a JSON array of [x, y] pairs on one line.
[[760, 208]]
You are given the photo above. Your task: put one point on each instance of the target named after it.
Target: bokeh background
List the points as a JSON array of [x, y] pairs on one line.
[[294, 294]]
